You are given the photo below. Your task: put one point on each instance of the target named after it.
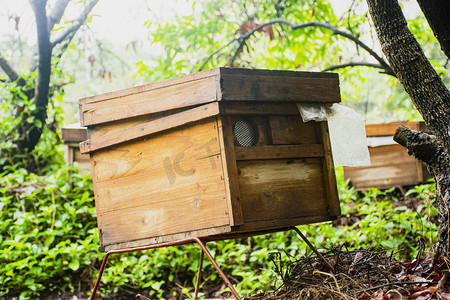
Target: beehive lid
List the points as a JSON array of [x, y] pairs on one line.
[[219, 84]]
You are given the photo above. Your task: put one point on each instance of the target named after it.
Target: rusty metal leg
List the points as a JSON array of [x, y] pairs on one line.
[[313, 248], [216, 266], [199, 274], [189, 240]]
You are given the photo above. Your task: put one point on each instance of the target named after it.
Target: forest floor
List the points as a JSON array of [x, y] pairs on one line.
[[354, 275], [337, 274]]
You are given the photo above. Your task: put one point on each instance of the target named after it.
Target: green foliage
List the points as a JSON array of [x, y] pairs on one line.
[[49, 240], [47, 231], [18, 113]]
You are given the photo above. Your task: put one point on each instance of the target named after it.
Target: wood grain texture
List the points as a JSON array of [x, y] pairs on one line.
[[275, 88], [151, 127], [226, 138], [257, 108], [202, 233], [279, 151], [279, 189], [387, 129], [221, 84], [390, 166], [168, 184], [332, 195], [184, 94], [292, 130], [73, 133]]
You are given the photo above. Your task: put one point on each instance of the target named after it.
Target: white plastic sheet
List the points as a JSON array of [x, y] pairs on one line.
[[347, 132]]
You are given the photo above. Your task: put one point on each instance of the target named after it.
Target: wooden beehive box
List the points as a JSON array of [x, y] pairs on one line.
[[391, 165], [72, 136], [218, 154]]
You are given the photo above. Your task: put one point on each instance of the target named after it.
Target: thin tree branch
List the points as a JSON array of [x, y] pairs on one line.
[[214, 53], [70, 31], [242, 39], [356, 64], [8, 69], [54, 17]]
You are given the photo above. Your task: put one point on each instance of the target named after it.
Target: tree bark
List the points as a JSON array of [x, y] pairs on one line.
[[30, 132], [430, 96], [437, 13]]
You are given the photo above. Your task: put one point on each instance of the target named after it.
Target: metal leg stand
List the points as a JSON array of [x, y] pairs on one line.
[[199, 275], [313, 248], [189, 240]]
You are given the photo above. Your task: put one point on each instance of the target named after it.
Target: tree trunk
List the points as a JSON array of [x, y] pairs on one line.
[[430, 96]]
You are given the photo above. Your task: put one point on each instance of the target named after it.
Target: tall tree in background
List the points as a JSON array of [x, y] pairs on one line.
[[427, 91], [35, 90]]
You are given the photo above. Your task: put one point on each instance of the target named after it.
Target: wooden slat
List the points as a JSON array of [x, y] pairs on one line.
[[279, 189], [174, 96], [151, 86], [74, 133], [226, 139], [389, 128], [152, 127], [279, 151], [221, 84], [275, 88], [258, 108], [292, 130], [99, 130], [216, 231], [169, 184], [329, 173], [390, 166]]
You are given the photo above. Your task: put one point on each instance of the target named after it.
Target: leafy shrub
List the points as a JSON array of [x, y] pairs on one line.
[[49, 241], [47, 231]]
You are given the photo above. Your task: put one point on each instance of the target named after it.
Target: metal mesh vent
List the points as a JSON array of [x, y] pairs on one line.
[[246, 133]]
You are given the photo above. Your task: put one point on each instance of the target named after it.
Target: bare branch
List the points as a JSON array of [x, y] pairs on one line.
[[8, 69], [214, 53], [54, 17], [242, 39], [70, 31], [355, 64]]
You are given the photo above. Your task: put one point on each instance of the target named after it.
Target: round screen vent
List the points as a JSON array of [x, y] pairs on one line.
[[246, 133]]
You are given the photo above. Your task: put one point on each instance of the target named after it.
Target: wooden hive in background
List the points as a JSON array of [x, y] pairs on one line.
[[218, 154], [391, 165], [72, 136]]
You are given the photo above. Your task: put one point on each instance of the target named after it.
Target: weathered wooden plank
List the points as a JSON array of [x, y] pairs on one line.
[[184, 94], [152, 86], [332, 195], [273, 88], [170, 238], [277, 189], [258, 108], [279, 151], [292, 130], [152, 127], [389, 128], [390, 166], [280, 224], [226, 140], [140, 186], [73, 133]]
